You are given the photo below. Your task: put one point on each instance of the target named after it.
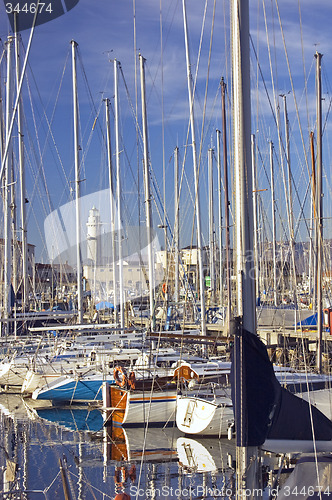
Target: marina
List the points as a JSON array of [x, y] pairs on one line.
[[165, 260]]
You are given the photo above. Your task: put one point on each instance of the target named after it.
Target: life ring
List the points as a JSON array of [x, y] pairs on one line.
[[164, 288], [132, 380], [120, 376]]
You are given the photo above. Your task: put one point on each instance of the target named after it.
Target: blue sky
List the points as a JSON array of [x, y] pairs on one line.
[[104, 29]]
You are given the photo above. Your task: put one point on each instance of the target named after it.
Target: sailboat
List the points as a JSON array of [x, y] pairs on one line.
[[213, 415], [153, 399], [202, 416]]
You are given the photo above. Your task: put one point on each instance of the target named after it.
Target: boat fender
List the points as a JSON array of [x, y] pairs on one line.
[[230, 430], [120, 376], [164, 288], [132, 380]]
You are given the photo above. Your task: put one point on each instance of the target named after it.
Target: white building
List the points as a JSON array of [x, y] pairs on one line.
[[98, 268]]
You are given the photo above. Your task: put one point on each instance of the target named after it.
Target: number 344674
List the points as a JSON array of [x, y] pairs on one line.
[[28, 8]]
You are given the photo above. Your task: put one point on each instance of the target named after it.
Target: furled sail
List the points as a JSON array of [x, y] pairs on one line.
[[263, 409]]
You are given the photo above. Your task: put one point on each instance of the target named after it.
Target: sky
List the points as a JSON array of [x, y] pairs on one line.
[[284, 35]]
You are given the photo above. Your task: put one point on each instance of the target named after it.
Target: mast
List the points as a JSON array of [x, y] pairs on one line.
[[118, 195], [7, 214], [312, 253], [176, 223], [220, 224], [293, 283], [274, 249], [254, 209], [197, 200], [13, 240], [111, 185], [77, 190], [244, 230], [228, 244], [147, 194], [319, 210], [211, 227], [242, 163], [23, 228]]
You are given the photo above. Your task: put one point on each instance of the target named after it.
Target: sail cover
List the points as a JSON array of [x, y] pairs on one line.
[[263, 409], [311, 478]]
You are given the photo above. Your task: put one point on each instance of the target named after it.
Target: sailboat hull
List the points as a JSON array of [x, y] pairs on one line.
[[73, 389], [13, 374], [137, 408], [202, 417]]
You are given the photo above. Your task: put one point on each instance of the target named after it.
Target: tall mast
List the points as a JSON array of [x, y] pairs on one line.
[[23, 228], [242, 163], [274, 249], [118, 194], [312, 253], [13, 220], [246, 307], [7, 214], [211, 227], [289, 204], [112, 197], [221, 283], [254, 209], [77, 190], [176, 223], [226, 197], [319, 209], [147, 194], [197, 200]]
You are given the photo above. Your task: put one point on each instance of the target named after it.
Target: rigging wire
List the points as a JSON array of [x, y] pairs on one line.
[[50, 121], [303, 64], [293, 88], [275, 120]]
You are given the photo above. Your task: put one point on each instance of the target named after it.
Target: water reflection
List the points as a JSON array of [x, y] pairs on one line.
[[46, 451]]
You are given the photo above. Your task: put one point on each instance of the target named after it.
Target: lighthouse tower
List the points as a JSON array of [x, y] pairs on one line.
[[93, 236]]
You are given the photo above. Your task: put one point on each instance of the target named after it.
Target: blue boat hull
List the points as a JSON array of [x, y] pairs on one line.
[[74, 390]]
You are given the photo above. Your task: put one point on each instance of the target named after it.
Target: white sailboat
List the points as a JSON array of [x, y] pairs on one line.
[[213, 415], [204, 416], [155, 398]]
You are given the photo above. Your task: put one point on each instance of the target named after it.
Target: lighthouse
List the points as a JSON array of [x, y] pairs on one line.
[[93, 236]]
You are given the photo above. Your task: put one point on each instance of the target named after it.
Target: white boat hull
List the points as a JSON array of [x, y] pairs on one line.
[[155, 409], [138, 408], [12, 374], [35, 380], [202, 417]]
